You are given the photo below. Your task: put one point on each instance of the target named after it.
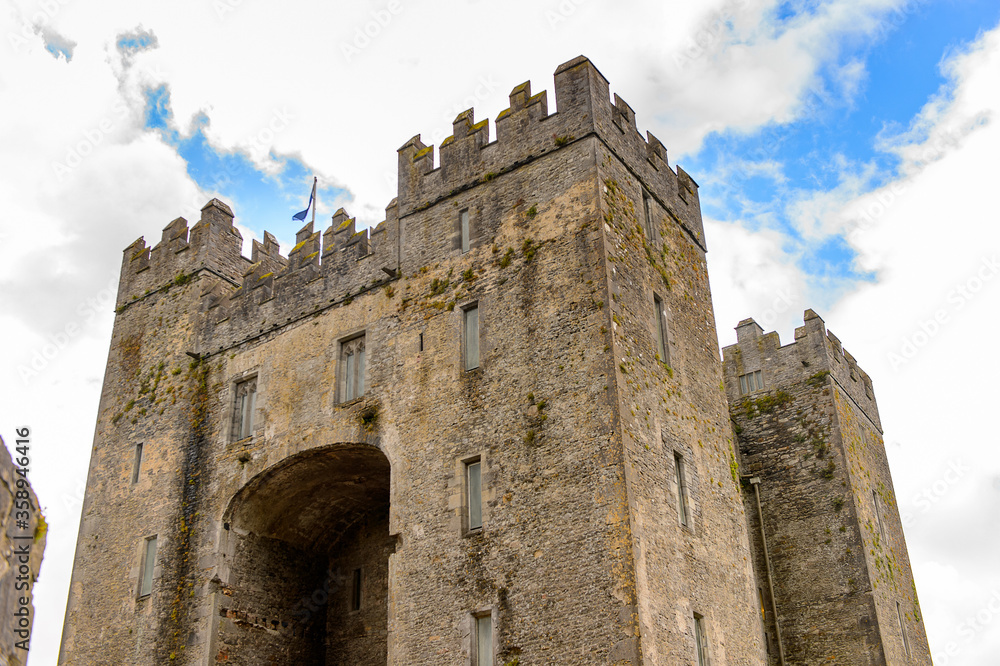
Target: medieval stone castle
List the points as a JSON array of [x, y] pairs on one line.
[[494, 430]]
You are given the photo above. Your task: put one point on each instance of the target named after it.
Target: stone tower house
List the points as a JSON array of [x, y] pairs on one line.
[[492, 430], [835, 576]]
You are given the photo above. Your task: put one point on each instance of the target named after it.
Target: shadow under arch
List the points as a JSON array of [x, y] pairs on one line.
[[308, 549]]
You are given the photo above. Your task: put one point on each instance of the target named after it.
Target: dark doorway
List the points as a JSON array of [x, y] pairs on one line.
[[308, 555]]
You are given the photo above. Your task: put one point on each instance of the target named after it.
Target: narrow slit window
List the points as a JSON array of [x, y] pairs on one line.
[[661, 330], [682, 507], [148, 563], [471, 338], [474, 487], [878, 513], [356, 590], [902, 629], [647, 216], [484, 640], [352, 376], [137, 463], [246, 396], [701, 640], [464, 222]]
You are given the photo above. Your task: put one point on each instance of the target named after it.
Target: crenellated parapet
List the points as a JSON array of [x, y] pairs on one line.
[[815, 354], [322, 270], [213, 244], [246, 296], [526, 131]]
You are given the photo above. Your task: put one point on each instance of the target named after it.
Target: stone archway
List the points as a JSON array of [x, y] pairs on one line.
[[308, 550]]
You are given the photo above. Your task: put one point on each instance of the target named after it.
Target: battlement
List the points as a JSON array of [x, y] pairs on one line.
[[251, 295], [527, 131], [814, 352], [213, 243]]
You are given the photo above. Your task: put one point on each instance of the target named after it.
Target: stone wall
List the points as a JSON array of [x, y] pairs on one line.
[[811, 443], [21, 550], [668, 409], [575, 418]]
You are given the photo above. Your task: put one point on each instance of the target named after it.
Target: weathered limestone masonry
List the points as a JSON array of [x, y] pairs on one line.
[[18, 572], [811, 445], [289, 450]]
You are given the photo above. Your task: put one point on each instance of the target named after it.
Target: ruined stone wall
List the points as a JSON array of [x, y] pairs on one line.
[[801, 439], [22, 547]]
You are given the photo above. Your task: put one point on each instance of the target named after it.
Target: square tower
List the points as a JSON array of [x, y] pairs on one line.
[[491, 430], [835, 577]]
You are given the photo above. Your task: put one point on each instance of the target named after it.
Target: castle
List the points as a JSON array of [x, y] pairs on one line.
[[495, 430]]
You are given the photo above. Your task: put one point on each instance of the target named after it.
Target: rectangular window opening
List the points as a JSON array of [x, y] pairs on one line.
[[647, 216], [148, 563], [471, 345], [701, 639], [750, 382], [662, 347], [356, 590], [464, 221], [352, 369], [137, 463], [902, 629], [474, 490], [682, 507], [484, 640], [246, 395], [878, 514]]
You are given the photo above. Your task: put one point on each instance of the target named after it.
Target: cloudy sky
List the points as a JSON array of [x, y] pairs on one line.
[[845, 150]]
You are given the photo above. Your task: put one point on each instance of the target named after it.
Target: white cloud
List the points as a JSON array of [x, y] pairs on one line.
[[925, 333], [753, 275]]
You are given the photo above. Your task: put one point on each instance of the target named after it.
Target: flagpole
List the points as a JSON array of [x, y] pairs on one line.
[[314, 203]]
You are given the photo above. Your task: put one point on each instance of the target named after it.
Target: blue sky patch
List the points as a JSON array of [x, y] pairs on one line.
[[760, 177], [261, 200], [130, 43], [59, 50], [158, 114]]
